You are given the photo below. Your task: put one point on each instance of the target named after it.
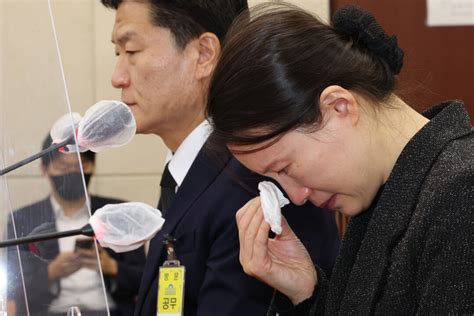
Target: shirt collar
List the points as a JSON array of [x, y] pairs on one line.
[[59, 212], [183, 158]]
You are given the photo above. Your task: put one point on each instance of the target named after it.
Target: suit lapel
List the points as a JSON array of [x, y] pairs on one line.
[[394, 210], [201, 174], [47, 213]]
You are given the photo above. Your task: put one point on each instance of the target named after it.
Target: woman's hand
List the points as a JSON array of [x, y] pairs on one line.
[[282, 262]]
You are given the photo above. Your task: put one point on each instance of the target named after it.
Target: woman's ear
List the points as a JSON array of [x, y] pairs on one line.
[[340, 102], [209, 48]]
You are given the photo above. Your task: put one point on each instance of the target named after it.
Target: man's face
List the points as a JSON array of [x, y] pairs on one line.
[[65, 176], [67, 163], [157, 78]]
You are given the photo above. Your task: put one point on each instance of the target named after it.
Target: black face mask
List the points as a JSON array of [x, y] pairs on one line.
[[69, 186]]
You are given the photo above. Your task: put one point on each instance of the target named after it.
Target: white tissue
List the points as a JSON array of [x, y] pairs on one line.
[[272, 200], [126, 226]]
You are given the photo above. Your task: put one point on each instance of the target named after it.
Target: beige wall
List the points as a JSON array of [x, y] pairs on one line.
[[84, 27], [32, 94]]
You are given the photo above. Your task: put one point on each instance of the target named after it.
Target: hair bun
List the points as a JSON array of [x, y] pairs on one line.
[[362, 27]]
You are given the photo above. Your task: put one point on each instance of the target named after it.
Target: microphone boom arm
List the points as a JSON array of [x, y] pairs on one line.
[[36, 156], [86, 230]]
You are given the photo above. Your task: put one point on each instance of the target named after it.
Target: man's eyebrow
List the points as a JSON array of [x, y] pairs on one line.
[[124, 37]]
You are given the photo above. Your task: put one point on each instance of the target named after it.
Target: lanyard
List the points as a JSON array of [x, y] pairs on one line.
[[170, 283]]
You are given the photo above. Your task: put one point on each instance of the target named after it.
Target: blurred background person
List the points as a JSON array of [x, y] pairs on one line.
[[64, 272]]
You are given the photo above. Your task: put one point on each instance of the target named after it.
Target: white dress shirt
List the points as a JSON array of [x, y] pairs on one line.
[[180, 162]]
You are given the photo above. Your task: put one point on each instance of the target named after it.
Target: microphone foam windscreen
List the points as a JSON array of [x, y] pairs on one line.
[[64, 128], [106, 124], [126, 226]]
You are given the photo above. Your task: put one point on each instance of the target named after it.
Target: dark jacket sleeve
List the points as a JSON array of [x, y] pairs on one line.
[[34, 278], [225, 286], [282, 306], [446, 281], [27, 270], [39, 292], [130, 268]]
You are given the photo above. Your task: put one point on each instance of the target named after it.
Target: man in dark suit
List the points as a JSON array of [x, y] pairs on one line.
[[62, 273], [166, 52]]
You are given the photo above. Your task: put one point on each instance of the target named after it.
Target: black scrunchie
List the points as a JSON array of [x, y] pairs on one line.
[[366, 31]]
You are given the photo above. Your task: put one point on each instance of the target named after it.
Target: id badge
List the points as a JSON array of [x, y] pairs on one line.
[[170, 284], [171, 290]]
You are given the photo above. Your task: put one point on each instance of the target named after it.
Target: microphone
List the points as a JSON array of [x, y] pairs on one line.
[[105, 124], [32, 158], [121, 227]]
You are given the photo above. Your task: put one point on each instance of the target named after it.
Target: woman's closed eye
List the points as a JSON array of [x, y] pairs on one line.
[[283, 172]]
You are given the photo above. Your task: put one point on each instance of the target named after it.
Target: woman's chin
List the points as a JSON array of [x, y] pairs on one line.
[[350, 210]]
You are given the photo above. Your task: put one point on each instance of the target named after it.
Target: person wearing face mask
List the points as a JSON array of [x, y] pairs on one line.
[[62, 273]]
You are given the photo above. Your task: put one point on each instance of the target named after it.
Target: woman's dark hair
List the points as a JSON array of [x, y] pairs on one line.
[[188, 19], [278, 59]]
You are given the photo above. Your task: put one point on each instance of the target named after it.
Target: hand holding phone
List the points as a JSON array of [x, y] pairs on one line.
[[84, 243], [86, 253]]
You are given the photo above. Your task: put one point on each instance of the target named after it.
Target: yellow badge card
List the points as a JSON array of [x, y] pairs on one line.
[[171, 291]]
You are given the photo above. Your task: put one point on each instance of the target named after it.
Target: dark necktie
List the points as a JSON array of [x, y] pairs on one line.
[[168, 190]]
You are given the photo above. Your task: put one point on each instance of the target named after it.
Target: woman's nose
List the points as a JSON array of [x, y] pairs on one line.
[[298, 195]]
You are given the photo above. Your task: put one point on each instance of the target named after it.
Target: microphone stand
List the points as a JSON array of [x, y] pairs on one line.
[[36, 156], [86, 231]]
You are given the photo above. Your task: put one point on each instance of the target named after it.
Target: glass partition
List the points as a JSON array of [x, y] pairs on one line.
[[48, 277]]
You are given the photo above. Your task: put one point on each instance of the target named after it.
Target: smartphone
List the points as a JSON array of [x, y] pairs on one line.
[[84, 243]]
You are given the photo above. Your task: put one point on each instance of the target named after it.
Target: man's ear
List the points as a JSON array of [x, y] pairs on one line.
[[209, 48], [91, 169], [340, 102], [44, 170]]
